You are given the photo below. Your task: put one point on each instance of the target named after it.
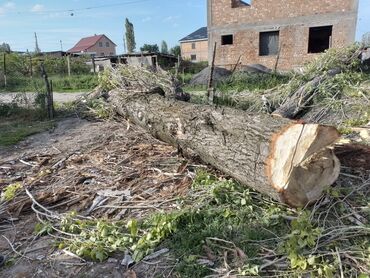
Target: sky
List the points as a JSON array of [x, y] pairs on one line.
[[70, 20]]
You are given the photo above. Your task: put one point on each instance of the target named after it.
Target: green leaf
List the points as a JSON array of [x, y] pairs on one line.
[[138, 255], [311, 260], [100, 255], [132, 225]]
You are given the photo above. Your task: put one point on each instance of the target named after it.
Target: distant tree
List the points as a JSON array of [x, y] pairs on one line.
[[4, 47], [176, 50], [37, 48], [366, 39], [130, 36], [149, 48], [164, 47]]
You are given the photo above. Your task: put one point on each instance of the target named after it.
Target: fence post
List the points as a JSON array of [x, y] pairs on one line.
[[52, 98], [210, 89], [93, 62], [277, 60], [49, 93], [178, 65], [31, 70], [5, 82], [69, 65]]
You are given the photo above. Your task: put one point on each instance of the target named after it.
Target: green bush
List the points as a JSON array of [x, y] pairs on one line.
[[193, 68], [240, 81], [60, 83], [82, 82], [21, 65]]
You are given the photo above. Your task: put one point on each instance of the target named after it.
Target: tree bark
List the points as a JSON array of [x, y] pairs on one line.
[[299, 100], [289, 161]]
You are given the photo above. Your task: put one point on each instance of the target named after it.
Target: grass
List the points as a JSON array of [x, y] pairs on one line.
[[239, 232], [242, 231], [228, 218], [240, 82], [60, 83], [185, 77], [18, 122], [13, 132], [217, 212]]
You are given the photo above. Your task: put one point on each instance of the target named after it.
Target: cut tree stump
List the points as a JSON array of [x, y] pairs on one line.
[[286, 160]]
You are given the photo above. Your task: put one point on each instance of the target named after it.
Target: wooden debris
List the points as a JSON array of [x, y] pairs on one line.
[[118, 169], [301, 99]]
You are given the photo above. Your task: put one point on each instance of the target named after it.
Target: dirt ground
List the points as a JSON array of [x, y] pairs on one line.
[[70, 168], [58, 97]]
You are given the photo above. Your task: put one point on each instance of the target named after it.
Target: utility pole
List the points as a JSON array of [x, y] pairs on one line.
[[61, 45]]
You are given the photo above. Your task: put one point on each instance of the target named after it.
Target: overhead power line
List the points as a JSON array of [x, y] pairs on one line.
[[84, 8]]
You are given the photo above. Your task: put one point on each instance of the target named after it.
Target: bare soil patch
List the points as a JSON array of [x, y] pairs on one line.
[[58, 97]]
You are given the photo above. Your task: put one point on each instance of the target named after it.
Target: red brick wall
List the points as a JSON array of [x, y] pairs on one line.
[[292, 18], [201, 50]]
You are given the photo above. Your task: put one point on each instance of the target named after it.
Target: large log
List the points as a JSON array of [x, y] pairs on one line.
[[287, 160]]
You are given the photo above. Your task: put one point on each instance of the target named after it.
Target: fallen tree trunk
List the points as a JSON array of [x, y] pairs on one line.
[[289, 161], [300, 99]]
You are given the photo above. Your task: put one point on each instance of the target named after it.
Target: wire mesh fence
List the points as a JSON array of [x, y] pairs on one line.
[[22, 72]]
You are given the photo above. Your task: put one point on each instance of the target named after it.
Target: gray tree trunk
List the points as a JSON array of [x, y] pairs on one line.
[[286, 160]]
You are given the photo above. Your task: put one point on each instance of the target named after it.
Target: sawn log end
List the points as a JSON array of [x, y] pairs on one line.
[[301, 164]]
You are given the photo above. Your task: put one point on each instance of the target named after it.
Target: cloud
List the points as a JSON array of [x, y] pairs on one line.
[[37, 8], [146, 19], [171, 18], [168, 18], [9, 5]]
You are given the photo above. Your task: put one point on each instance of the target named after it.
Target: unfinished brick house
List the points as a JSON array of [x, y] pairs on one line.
[[194, 47], [285, 32]]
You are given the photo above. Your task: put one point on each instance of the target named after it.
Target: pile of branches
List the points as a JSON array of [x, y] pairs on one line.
[[136, 79], [118, 176], [125, 174], [327, 90]]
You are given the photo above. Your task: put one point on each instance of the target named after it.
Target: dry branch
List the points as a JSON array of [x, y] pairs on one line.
[[300, 99]]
